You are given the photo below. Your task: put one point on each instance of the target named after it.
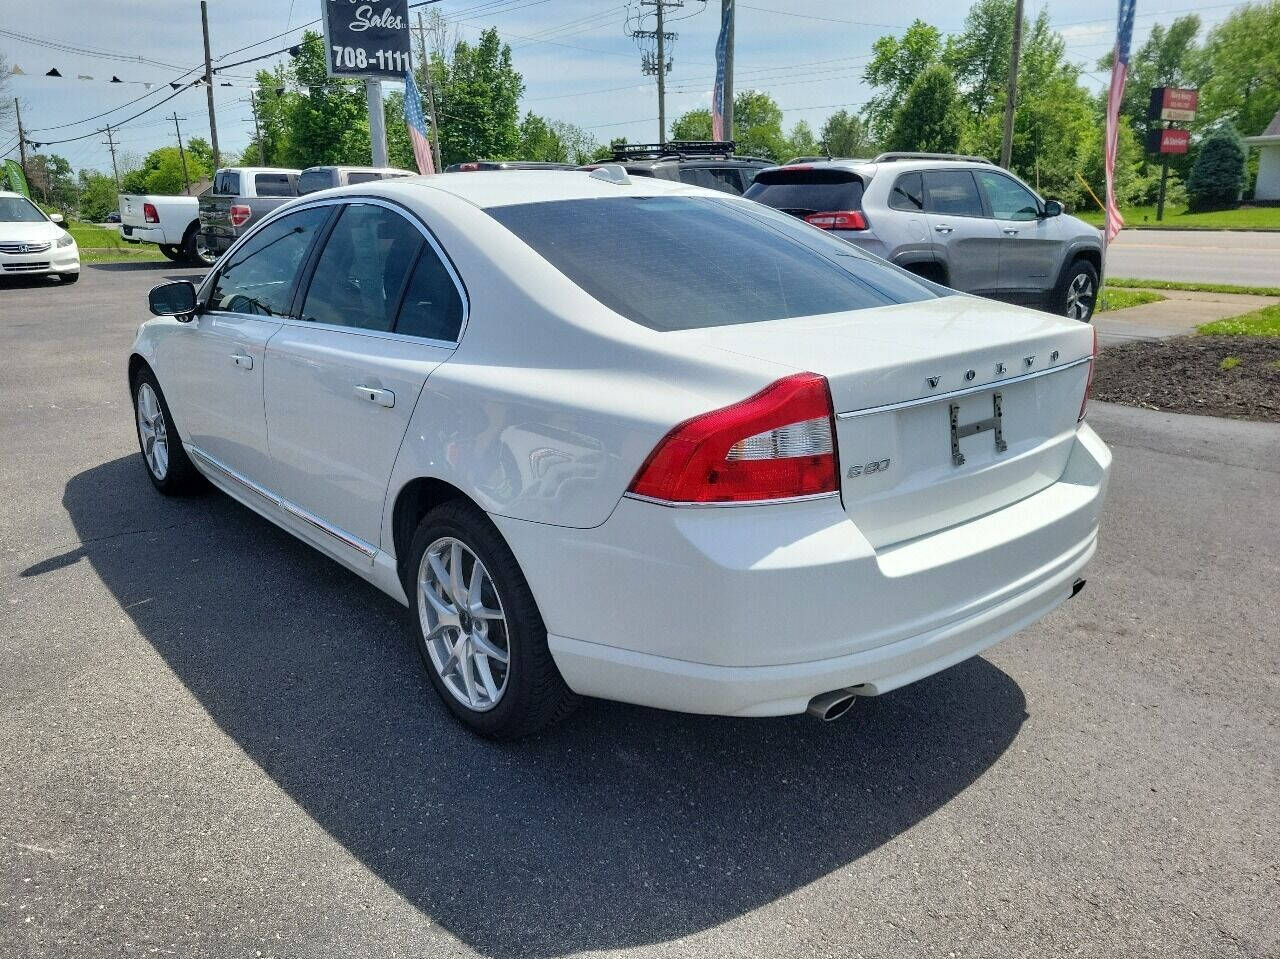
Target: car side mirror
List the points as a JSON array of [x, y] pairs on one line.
[[56, 218], [177, 299], [1052, 208]]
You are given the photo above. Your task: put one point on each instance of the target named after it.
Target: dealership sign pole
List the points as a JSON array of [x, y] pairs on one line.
[[1169, 105], [368, 39]]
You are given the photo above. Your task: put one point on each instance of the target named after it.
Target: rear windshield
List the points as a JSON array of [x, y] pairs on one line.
[[801, 192], [312, 180], [276, 184], [680, 263], [227, 183]]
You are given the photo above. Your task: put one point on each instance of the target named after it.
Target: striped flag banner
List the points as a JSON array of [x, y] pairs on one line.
[[718, 131], [1115, 99], [417, 124]]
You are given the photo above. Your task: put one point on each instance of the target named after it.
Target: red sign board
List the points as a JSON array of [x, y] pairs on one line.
[[1174, 141], [1173, 103]]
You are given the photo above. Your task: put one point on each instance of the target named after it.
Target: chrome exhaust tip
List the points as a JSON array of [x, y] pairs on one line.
[[831, 706]]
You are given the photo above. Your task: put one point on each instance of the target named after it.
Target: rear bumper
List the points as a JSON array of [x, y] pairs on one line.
[[143, 234], [753, 611]]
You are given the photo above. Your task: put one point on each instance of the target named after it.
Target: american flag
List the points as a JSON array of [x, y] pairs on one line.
[[417, 125], [1115, 98], [717, 94]]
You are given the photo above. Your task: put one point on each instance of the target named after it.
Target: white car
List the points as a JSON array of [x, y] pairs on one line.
[[34, 244], [632, 439]]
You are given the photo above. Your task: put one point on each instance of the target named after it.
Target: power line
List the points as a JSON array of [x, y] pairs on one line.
[[85, 136]]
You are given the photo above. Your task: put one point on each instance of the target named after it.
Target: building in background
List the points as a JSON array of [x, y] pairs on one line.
[[1267, 144]]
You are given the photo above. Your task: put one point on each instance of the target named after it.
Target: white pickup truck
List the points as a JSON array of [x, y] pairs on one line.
[[171, 222]]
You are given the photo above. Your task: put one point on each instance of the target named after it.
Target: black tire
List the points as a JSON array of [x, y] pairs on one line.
[[535, 695], [171, 252], [1080, 281], [180, 478], [70, 277]]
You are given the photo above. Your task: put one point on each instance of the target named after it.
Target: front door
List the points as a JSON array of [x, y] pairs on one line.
[[1030, 243], [964, 238], [220, 357], [381, 312]]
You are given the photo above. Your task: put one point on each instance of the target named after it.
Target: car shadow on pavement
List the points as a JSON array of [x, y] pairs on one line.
[[147, 266], [622, 826]]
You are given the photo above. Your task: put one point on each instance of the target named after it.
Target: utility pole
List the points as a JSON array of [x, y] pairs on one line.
[[377, 120], [431, 96], [727, 6], [657, 63], [186, 179], [110, 143], [22, 139], [257, 130], [208, 81], [1011, 94]]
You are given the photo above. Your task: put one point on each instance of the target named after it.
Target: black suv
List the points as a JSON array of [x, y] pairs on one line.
[[706, 163]]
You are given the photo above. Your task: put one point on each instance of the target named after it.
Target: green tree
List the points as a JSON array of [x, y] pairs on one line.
[[49, 176], [692, 125], [199, 148], [979, 56], [757, 125], [275, 101], [330, 122], [539, 142], [579, 143], [930, 118], [894, 66], [162, 171], [97, 195], [478, 100], [802, 142], [1217, 177], [1242, 69], [399, 146], [845, 135]]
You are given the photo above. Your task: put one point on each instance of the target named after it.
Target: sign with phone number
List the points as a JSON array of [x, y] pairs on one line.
[[367, 38]]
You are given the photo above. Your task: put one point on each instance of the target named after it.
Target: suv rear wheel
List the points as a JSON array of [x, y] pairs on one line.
[[1078, 293]]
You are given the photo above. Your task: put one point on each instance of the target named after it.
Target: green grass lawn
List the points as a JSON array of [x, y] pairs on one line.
[[1245, 218], [1263, 322], [1121, 299], [1130, 283], [103, 245], [143, 253]]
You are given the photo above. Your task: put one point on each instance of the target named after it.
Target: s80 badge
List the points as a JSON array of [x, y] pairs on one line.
[[875, 466]]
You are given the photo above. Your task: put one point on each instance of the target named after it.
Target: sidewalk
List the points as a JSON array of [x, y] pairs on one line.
[[1180, 313]]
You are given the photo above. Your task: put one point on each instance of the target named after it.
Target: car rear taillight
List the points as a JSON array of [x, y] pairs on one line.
[[149, 213], [777, 444], [240, 214], [468, 167], [837, 220], [1088, 384]]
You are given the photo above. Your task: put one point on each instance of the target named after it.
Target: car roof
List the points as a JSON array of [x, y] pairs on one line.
[[492, 188], [868, 168], [358, 169]]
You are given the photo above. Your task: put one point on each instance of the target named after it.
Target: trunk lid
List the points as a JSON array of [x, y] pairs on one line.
[[898, 374]]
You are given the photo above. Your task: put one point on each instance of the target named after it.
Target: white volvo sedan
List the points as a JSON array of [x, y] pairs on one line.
[[33, 244], [631, 439]]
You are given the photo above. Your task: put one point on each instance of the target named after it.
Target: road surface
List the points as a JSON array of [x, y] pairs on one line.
[[215, 742], [1248, 259]]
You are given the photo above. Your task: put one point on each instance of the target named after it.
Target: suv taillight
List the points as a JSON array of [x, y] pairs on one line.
[[777, 444], [240, 214], [1088, 384], [837, 220], [149, 213]]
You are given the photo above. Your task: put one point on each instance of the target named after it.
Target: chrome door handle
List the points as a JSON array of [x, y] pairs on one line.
[[242, 360], [944, 229], [375, 395], [1010, 231]]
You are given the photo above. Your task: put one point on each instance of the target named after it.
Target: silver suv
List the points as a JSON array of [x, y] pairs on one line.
[[960, 221]]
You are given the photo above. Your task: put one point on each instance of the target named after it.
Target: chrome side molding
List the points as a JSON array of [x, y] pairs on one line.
[[275, 499]]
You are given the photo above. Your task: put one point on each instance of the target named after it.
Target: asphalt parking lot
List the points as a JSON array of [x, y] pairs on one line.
[[214, 742]]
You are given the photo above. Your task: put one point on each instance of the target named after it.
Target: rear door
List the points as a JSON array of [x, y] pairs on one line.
[[382, 309], [1031, 244], [964, 237]]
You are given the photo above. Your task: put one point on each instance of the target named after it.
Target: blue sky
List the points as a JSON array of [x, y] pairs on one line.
[[578, 63]]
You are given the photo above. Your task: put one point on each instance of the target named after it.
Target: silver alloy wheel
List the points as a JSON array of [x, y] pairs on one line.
[[463, 624], [155, 436], [1080, 297], [203, 253]]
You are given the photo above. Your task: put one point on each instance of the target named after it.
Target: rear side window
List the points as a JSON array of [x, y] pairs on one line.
[[679, 263], [276, 184], [801, 192], [362, 177], [908, 193], [952, 192], [432, 307], [313, 180], [227, 183]]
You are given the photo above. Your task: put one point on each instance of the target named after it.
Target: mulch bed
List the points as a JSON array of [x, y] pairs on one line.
[[1185, 375]]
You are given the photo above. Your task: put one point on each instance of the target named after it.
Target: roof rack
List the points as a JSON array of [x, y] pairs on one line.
[[959, 157], [635, 151]]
